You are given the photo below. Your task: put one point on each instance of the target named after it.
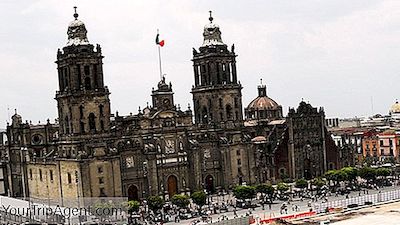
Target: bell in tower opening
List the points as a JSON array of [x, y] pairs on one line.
[[216, 92], [83, 99]]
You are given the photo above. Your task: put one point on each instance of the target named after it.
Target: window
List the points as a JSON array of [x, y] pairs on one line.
[[66, 125], [81, 111], [101, 180], [100, 169], [238, 152], [239, 170], [101, 110], [220, 103], [381, 142], [228, 112], [236, 103], [239, 162], [40, 175], [51, 175], [82, 125], [30, 174], [101, 125], [88, 84], [79, 75], [96, 78], [69, 178], [92, 122], [102, 192], [87, 70]]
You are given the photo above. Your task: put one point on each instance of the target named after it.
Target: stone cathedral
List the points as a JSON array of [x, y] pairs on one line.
[[163, 149]]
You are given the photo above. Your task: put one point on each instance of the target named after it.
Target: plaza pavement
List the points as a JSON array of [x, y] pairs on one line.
[[275, 208]]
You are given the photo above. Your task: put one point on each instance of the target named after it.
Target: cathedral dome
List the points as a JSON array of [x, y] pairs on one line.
[[395, 108], [77, 33], [263, 101], [263, 107]]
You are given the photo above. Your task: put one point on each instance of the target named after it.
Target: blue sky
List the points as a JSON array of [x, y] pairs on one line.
[[338, 54]]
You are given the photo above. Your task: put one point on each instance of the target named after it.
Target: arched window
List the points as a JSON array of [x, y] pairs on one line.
[[229, 114], [92, 122], [88, 85]]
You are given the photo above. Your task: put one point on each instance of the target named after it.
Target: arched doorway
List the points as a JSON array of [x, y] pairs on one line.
[[133, 193], [210, 184], [172, 185]]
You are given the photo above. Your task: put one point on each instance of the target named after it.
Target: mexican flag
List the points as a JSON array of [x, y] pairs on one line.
[[158, 42]]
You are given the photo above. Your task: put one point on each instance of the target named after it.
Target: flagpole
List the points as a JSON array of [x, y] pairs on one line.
[[159, 58]]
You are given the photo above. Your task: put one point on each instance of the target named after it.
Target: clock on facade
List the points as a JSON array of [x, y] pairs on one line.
[[166, 101]]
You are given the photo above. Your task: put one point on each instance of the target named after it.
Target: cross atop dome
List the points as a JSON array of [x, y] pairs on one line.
[[210, 18], [75, 14]]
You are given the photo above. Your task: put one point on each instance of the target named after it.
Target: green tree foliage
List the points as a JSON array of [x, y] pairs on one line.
[[351, 173], [367, 173], [282, 187], [244, 192], [266, 189], [331, 175], [301, 183], [155, 203], [199, 198], [383, 172], [182, 201], [341, 175], [318, 182], [133, 206]]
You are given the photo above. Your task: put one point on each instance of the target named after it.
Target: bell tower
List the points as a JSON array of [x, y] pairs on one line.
[[216, 93], [83, 102]]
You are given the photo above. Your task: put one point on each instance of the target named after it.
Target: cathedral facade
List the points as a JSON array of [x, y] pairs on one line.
[[163, 149]]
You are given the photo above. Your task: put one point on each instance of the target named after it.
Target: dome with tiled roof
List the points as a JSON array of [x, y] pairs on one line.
[[395, 108], [263, 107]]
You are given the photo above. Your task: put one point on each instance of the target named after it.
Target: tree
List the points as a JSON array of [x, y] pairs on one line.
[[182, 200], [383, 172], [155, 203], [133, 206], [282, 187], [266, 189], [301, 183], [199, 198], [244, 192], [318, 182], [351, 173], [331, 175], [341, 175], [367, 173]]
